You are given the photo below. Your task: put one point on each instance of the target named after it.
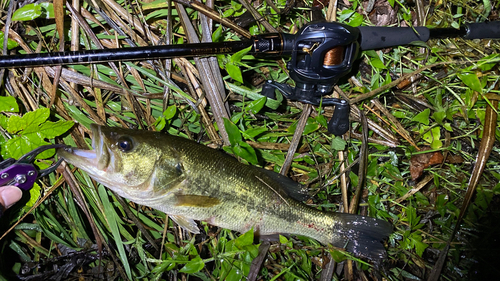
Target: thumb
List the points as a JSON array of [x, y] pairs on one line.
[[9, 195]]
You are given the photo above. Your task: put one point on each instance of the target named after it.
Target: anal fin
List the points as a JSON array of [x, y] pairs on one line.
[[186, 223]]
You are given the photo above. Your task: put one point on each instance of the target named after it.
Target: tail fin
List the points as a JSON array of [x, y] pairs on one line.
[[364, 235]]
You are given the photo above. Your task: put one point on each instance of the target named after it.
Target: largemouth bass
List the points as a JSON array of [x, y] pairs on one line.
[[189, 181]]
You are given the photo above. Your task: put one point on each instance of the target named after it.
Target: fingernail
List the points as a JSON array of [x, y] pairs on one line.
[[11, 195]]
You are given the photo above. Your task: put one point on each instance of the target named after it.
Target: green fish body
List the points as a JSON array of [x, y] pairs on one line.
[[189, 181]]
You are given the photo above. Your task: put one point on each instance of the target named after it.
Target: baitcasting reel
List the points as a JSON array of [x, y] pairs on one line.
[[321, 54]]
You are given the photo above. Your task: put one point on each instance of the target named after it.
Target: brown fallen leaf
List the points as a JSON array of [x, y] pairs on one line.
[[454, 159], [421, 161], [320, 3]]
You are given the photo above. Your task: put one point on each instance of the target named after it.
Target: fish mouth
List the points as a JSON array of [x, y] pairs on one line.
[[94, 162]]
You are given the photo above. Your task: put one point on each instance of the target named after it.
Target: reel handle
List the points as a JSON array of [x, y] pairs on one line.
[[339, 124]]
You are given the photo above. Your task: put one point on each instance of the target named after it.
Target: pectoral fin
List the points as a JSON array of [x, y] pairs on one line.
[[196, 201], [188, 224]]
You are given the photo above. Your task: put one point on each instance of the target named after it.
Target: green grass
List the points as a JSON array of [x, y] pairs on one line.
[[443, 109]]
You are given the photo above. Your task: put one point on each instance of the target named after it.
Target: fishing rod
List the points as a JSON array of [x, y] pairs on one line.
[[321, 53]]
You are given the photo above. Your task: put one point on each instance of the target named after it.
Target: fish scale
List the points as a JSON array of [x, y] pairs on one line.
[[189, 181]]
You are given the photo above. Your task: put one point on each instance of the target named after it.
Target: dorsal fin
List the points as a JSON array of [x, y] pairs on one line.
[[291, 188]]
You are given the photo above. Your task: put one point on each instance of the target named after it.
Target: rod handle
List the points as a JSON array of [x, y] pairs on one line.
[[483, 30], [378, 37]]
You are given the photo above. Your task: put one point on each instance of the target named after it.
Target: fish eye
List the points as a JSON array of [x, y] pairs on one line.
[[125, 144]]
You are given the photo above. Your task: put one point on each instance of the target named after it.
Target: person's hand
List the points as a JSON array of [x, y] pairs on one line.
[[9, 195]]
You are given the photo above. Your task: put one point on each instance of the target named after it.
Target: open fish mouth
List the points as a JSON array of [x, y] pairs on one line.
[[93, 161]]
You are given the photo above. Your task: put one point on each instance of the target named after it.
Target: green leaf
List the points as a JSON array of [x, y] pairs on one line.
[[236, 57], [217, 35], [283, 239], [355, 20], [29, 120], [485, 65], [233, 132], [47, 10], [337, 256], [28, 140], [237, 6], [441, 204], [422, 117], [252, 94], [254, 30], [471, 80], [234, 275], [399, 114], [439, 116], [8, 104], [245, 151], [435, 144], [416, 242], [11, 44], [245, 239], [164, 266], [34, 195], [160, 123], [311, 126], [377, 63], [236, 117], [338, 143], [321, 119], [253, 132], [431, 135], [170, 112], [51, 130], [234, 71], [17, 146], [31, 131], [256, 105], [387, 80], [407, 17], [193, 265], [375, 80], [227, 13], [15, 124], [4, 120], [27, 12], [345, 15]]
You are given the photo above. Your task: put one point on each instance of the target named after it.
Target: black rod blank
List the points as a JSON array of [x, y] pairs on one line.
[[123, 54]]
